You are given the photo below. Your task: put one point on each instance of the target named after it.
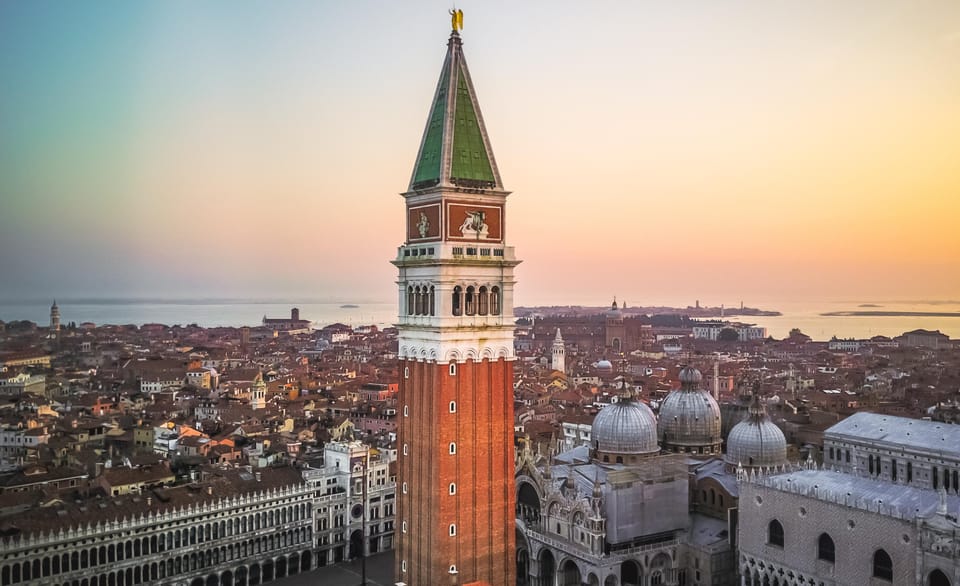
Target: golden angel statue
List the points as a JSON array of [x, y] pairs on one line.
[[456, 19]]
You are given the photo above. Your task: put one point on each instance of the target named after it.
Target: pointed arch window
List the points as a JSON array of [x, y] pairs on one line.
[[826, 550], [775, 533], [882, 565]]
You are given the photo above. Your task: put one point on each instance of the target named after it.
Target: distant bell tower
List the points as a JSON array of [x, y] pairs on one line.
[[559, 354], [456, 506], [54, 320], [258, 395]]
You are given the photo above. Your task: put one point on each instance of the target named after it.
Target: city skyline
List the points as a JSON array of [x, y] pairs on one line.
[[743, 151]]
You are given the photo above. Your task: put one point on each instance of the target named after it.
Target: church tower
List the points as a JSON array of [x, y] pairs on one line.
[[455, 516], [54, 320], [558, 361], [258, 395]]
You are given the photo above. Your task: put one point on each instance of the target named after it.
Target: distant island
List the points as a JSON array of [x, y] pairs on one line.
[[349, 306], [689, 311], [891, 313], [869, 305]]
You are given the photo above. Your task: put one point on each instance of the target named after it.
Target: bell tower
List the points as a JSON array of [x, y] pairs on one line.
[[456, 460], [558, 353]]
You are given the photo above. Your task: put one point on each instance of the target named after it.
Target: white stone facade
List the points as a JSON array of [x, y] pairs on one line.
[[218, 541]]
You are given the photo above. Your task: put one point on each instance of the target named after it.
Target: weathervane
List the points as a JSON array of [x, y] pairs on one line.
[[456, 19]]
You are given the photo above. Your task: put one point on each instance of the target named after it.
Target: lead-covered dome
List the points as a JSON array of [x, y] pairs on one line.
[[690, 418], [624, 428], [756, 442]]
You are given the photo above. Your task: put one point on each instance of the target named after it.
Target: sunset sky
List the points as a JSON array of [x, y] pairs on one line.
[[657, 151]]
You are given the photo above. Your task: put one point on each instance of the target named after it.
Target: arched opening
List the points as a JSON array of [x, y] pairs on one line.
[[197, 582], [281, 567], [547, 567], [293, 563], [495, 301], [431, 302], [938, 578], [417, 310], [630, 573], [241, 577], [610, 581], [523, 567], [267, 570], [226, 578], [212, 580], [356, 544], [482, 301], [569, 574], [255, 575], [457, 300], [882, 565], [825, 548], [470, 301], [305, 560], [775, 533], [659, 566], [592, 580], [528, 504]]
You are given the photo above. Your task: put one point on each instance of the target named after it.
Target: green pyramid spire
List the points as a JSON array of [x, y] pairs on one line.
[[455, 150]]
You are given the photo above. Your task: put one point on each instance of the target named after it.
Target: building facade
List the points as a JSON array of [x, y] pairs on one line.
[[456, 352], [239, 531], [630, 509], [844, 524], [350, 520]]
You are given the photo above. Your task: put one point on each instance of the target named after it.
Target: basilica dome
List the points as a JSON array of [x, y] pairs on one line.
[[756, 441], [624, 428], [690, 418]]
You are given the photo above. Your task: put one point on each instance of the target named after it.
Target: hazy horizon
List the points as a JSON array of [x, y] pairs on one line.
[[736, 151]]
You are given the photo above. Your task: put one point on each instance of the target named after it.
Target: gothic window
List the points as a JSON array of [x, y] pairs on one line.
[[775, 533], [495, 301], [882, 565], [825, 548], [457, 295], [482, 301], [938, 578], [470, 301]]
